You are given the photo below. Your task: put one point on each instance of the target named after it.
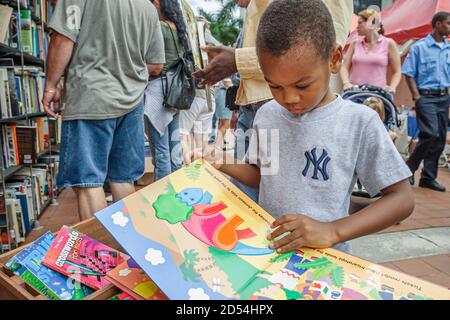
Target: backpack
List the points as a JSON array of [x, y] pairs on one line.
[[178, 85]]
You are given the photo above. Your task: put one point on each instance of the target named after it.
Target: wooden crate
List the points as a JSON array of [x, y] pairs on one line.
[[13, 287]]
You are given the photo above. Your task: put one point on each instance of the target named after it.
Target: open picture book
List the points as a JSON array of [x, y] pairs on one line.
[[197, 236]]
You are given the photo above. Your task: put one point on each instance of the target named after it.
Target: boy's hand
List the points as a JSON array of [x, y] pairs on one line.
[[302, 232], [210, 154]]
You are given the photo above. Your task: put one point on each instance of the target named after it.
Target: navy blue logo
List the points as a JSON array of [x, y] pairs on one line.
[[320, 165]]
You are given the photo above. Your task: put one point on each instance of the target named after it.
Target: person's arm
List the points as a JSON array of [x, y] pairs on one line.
[[410, 71], [59, 54], [155, 69], [155, 56], [247, 174], [396, 204], [222, 64], [347, 66], [412, 85], [395, 63]]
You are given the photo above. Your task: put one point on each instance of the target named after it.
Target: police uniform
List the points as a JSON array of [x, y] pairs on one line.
[[429, 64]]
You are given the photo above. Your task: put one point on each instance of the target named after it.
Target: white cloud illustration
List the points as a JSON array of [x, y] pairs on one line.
[[155, 257], [197, 294], [66, 296], [124, 272], [120, 219]]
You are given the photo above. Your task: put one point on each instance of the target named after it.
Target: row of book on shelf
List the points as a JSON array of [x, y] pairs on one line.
[[23, 29], [21, 91], [21, 144], [22, 201]]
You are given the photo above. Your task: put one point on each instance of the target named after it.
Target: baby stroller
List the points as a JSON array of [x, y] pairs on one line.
[[359, 94]]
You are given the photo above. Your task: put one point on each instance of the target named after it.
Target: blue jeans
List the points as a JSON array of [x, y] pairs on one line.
[[245, 122], [95, 151], [166, 149]]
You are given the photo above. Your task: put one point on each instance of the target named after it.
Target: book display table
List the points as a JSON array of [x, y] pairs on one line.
[[13, 287]]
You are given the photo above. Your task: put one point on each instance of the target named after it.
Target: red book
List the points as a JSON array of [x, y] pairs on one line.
[[82, 258]]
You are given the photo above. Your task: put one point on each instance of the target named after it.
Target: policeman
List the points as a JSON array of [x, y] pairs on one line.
[[427, 71]]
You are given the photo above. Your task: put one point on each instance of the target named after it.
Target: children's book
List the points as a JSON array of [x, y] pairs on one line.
[[129, 277], [82, 258], [197, 236], [28, 265]]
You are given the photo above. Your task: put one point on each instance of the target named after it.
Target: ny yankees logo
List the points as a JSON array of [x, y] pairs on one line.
[[320, 165]]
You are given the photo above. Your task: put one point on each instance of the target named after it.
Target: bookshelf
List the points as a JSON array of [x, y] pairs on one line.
[[16, 55], [23, 49]]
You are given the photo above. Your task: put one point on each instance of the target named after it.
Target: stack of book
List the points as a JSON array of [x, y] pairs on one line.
[[69, 266]]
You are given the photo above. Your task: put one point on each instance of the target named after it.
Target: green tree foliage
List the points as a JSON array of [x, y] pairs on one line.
[[282, 257], [224, 24]]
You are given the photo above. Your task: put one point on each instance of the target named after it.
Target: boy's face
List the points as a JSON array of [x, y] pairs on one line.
[[300, 79]]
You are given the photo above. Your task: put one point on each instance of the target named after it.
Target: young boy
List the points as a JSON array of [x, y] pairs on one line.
[[324, 142]]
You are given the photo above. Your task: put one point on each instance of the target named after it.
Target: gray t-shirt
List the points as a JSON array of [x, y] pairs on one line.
[[309, 164], [114, 42]]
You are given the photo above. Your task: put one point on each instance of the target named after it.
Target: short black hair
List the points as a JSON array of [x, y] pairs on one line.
[[287, 24], [439, 17]]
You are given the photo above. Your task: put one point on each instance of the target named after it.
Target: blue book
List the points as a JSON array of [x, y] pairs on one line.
[[22, 197], [27, 264]]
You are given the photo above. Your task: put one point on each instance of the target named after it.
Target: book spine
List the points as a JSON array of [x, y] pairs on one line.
[[26, 33], [13, 93]]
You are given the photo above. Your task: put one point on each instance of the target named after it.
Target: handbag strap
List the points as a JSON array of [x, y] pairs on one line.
[[173, 37]]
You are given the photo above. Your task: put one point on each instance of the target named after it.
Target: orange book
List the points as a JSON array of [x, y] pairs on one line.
[[40, 134], [130, 278]]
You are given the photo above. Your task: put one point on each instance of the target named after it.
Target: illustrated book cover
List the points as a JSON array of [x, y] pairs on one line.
[[27, 264], [130, 278], [82, 258], [197, 236]]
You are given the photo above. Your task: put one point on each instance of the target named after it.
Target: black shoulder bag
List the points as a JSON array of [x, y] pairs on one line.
[[177, 83], [230, 100]]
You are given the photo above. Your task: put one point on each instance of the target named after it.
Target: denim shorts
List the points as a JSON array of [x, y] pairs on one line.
[[95, 151]]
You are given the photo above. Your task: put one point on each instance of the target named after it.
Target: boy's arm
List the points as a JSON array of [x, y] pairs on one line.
[[396, 204], [247, 174]]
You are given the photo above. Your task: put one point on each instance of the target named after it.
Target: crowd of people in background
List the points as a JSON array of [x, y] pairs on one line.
[[113, 101]]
